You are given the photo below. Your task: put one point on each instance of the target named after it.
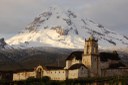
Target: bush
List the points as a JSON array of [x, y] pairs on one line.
[[45, 78]]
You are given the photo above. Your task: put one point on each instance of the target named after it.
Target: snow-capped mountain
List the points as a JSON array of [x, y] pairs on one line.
[[63, 28]]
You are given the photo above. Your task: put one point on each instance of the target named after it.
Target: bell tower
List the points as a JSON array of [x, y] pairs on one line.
[[91, 57]]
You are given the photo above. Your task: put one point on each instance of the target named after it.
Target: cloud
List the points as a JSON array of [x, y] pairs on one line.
[[111, 13]]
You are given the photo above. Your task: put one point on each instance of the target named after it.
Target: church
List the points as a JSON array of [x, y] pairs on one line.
[[79, 65]]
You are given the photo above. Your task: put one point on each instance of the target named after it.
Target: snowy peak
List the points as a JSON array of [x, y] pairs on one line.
[[47, 19], [63, 28]]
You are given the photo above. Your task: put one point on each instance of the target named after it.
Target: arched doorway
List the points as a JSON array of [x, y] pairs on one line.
[[39, 73]]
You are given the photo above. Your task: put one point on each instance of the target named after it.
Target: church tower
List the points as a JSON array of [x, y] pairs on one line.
[[91, 57]]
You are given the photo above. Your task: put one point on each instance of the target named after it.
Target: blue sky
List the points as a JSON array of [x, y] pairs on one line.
[[16, 14]]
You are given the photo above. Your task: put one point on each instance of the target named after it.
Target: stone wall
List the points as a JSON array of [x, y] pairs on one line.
[[114, 72], [104, 65], [82, 72]]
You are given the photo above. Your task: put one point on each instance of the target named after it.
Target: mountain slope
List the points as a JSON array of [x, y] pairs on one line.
[[59, 28], [4, 45], [16, 59]]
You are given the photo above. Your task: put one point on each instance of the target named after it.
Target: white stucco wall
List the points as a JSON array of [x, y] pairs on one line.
[[75, 61], [56, 74], [23, 75], [73, 74], [69, 63], [82, 72]]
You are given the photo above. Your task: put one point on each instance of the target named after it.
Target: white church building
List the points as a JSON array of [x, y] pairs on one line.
[[89, 63]]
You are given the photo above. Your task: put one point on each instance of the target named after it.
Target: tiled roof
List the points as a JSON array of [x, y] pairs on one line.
[[75, 54], [105, 56], [76, 66], [23, 70], [53, 68]]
